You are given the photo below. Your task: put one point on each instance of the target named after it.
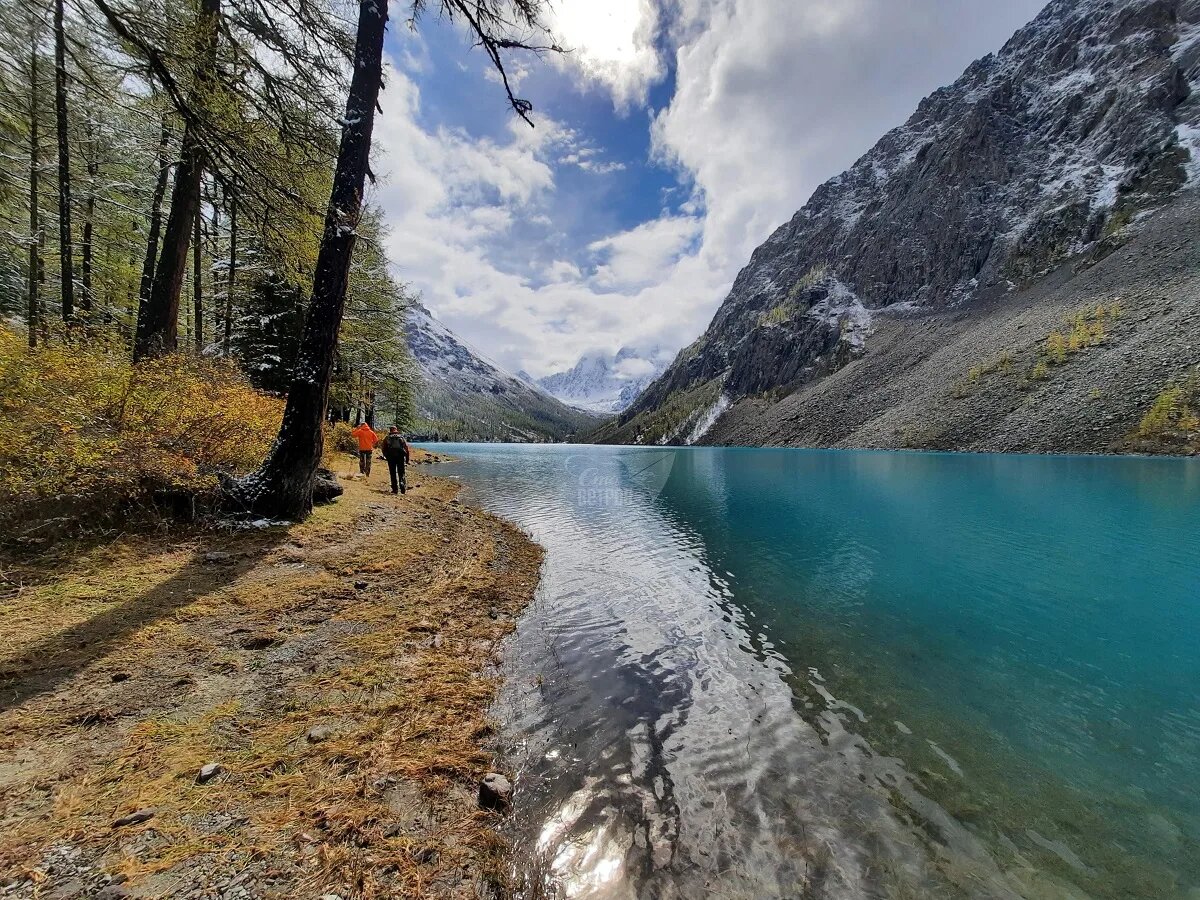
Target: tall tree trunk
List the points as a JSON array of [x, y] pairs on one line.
[[160, 190], [283, 484], [198, 285], [35, 225], [352, 395], [43, 322], [85, 263], [158, 318], [214, 252], [65, 250], [229, 285]]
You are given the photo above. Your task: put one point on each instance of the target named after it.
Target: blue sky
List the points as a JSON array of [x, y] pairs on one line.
[[670, 142]]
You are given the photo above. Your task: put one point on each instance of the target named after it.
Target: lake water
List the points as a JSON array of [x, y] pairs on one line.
[[791, 673]]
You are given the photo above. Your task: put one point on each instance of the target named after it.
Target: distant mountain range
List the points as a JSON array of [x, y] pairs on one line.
[[1015, 268], [465, 396], [604, 383]]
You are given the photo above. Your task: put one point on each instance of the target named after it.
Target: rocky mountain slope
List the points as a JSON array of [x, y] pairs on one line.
[[944, 291], [465, 396], [604, 383]]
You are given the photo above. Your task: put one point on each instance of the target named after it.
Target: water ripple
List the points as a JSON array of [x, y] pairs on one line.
[[667, 744]]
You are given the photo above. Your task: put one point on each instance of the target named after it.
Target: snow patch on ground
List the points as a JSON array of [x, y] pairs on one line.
[[244, 524], [849, 210], [903, 308], [1085, 179], [884, 167], [1106, 190]]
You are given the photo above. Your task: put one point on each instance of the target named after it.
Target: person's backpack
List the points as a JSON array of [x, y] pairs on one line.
[[393, 446]]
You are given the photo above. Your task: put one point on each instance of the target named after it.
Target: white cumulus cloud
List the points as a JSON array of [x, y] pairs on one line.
[[610, 42], [771, 97], [641, 255]]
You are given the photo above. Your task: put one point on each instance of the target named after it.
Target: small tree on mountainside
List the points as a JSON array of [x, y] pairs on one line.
[[283, 485]]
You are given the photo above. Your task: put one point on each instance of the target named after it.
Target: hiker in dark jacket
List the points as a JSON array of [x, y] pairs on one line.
[[395, 451]]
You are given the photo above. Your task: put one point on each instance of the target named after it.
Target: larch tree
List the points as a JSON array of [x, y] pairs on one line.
[[66, 253], [89, 217], [282, 487], [35, 224], [198, 283], [373, 365], [158, 317], [253, 85], [130, 93], [231, 273], [155, 216]]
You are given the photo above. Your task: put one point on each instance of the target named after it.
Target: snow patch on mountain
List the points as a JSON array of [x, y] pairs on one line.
[[842, 308], [707, 419]]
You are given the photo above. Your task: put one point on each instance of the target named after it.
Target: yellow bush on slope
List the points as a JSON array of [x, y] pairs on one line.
[[79, 421], [1174, 417]]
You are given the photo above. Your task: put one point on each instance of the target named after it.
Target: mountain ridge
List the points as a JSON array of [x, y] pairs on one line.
[[466, 396], [1053, 151]]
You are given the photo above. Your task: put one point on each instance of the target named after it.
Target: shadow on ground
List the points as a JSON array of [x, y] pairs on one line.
[[217, 561]]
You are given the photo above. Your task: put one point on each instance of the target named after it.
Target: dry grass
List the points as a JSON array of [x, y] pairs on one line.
[[381, 805]]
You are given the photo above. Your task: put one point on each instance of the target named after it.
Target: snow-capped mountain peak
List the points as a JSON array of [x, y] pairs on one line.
[[603, 382]]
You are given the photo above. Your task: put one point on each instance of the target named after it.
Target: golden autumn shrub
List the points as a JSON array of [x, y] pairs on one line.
[[339, 438], [80, 422]]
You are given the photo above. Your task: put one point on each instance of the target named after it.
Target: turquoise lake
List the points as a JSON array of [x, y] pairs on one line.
[[852, 674]]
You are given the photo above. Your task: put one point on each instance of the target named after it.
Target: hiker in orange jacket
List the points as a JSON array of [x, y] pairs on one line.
[[367, 438]]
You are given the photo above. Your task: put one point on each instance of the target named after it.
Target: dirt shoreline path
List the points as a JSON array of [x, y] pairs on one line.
[[337, 673]]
